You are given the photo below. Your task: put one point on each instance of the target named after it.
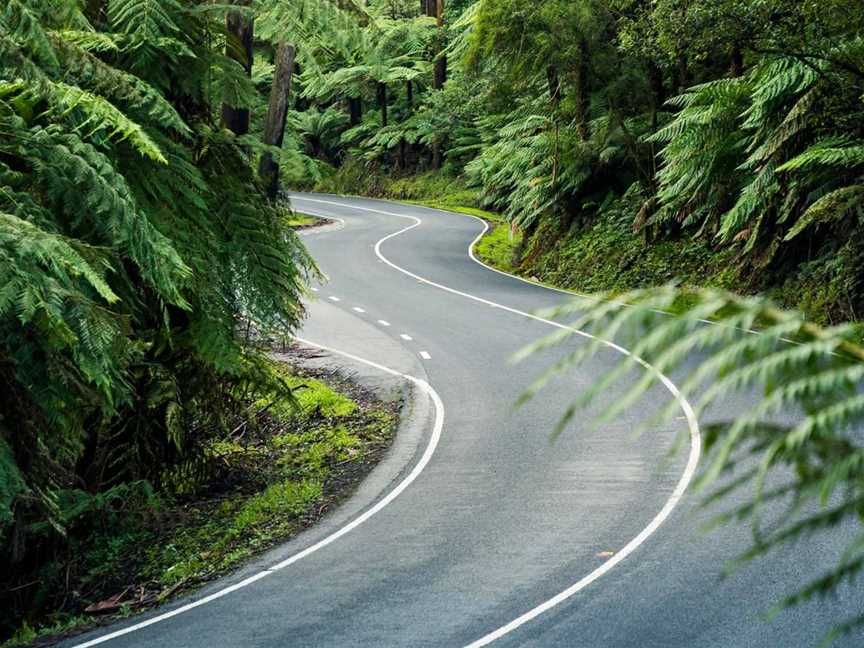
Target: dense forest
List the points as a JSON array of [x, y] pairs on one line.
[[145, 243], [714, 140]]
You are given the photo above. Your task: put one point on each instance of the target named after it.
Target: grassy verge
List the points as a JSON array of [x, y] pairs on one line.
[[299, 220], [500, 247], [272, 476]]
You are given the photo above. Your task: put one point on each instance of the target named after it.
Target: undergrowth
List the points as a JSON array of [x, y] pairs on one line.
[[277, 472]]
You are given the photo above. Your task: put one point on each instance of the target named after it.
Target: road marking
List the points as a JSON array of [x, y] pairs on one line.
[[335, 299], [686, 408], [405, 337], [437, 428], [314, 290], [384, 322], [425, 355], [538, 284], [358, 309]]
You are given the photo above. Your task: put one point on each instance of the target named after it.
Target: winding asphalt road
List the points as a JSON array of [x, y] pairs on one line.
[[476, 519]]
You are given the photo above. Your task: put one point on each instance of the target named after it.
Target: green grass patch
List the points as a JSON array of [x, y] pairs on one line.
[[472, 211], [500, 247], [314, 399], [299, 220], [605, 256]]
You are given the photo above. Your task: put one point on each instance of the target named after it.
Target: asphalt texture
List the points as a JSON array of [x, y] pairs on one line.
[[502, 518]]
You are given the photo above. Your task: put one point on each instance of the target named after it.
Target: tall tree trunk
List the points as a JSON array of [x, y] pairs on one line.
[[736, 64], [658, 91], [382, 102], [403, 145], [277, 111], [554, 85], [580, 83], [238, 47], [658, 99], [435, 9], [437, 12], [403, 159], [683, 73], [355, 109]]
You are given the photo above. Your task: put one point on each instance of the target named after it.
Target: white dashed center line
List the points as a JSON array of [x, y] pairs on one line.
[[332, 298], [408, 338], [383, 323], [425, 355], [314, 290], [358, 309]]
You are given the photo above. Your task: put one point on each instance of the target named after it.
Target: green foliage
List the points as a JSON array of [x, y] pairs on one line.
[[134, 242], [808, 472], [136, 250]]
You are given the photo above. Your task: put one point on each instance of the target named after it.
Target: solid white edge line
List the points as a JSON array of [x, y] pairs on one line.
[[393, 494], [687, 409]]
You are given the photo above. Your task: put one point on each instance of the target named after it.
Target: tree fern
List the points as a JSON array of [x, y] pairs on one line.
[[147, 19], [133, 242]]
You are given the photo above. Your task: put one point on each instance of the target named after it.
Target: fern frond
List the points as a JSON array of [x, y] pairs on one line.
[[811, 372], [832, 207], [100, 115]]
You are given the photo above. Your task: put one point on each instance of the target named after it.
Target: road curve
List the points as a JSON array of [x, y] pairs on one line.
[[481, 519]]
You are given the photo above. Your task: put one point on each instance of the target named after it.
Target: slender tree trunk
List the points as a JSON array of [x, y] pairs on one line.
[[238, 47], [436, 156], [658, 91], [436, 10], [382, 102], [683, 73], [277, 111], [355, 108], [554, 85], [736, 65], [580, 83], [658, 99], [403, 145]]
